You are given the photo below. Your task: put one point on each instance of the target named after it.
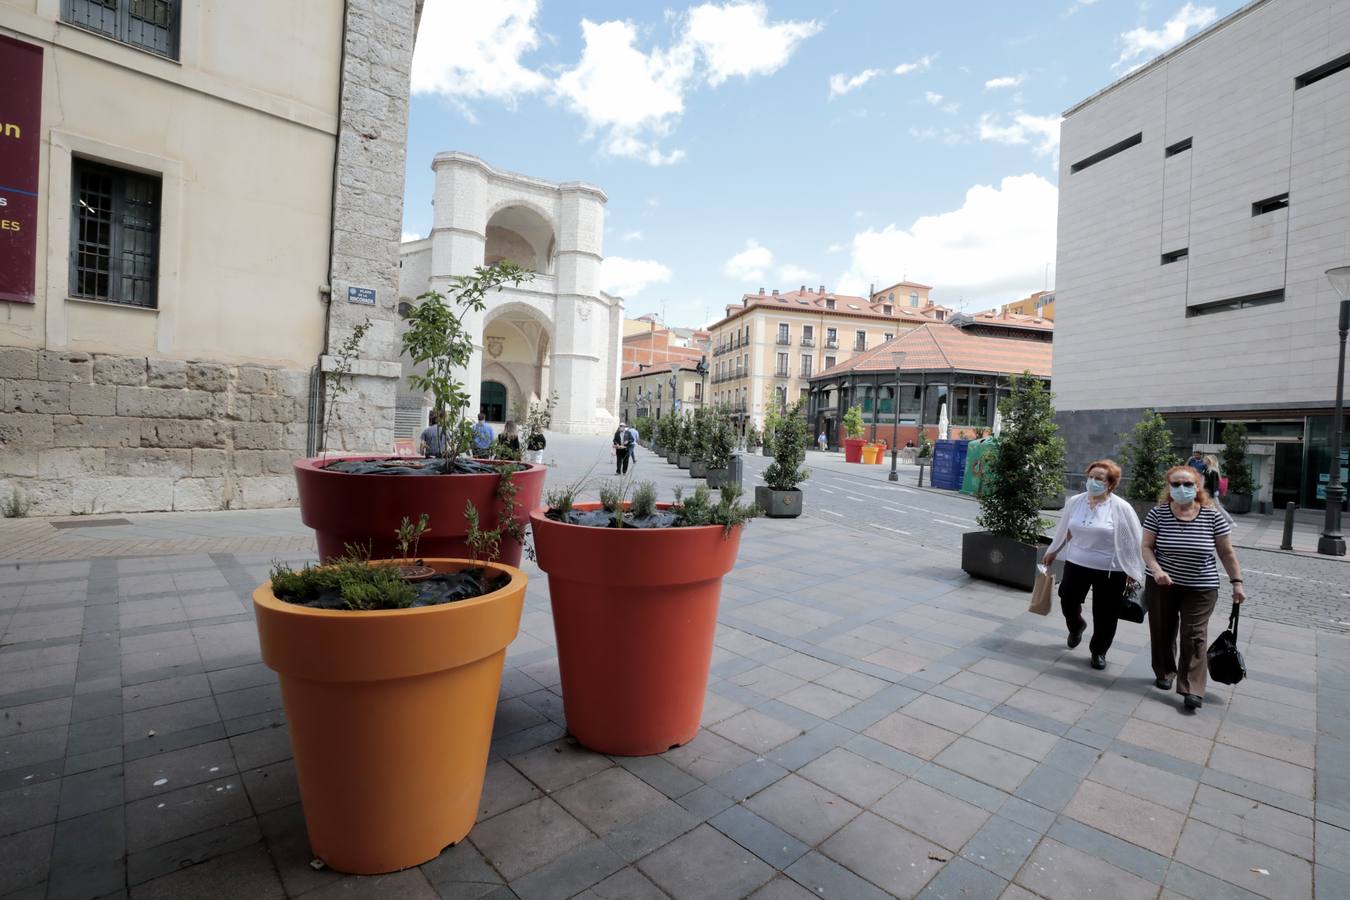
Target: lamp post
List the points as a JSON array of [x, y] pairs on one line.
[[895, 417], [1332, 542]]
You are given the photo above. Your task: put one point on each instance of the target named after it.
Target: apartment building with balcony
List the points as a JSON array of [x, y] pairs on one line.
[[660, 390], [769, 346]]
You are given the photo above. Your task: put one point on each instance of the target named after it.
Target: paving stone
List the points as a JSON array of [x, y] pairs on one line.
[[28, 807], [708, 756], [725, 869], [1058, 872], [626, 884], [1020, 739], [1146, 782], [896, 860], [1273, 773], [768, 681], [855, 684], [1138, 821], [1152, 736], [990, 689], [705, 802], [1232, 858], [991, 765], [911, 735], [717, 707], [943, 713], [802, 809], [24, 858], [176, 769], [819, 700], [748, 778], [756, 731], [1051, 706], [1183, 881], [1001, 846], [761, 837], [1268, 743], [504, 788], [36, 716], [87, 856], [609, 798], [91, 791], [248, 872], [1257, 821], [803, 666], [166, 817], [589, 863], [660, 774], [782, 888], [556, 765], [635, 838], [409, 884], [852, 777], [823, 877], [932, 813], [523, 839], [272, 787], [963, 880], [808, 747]]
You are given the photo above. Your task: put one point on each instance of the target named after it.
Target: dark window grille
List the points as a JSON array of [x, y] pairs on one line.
[[148, 24], [1264, 298], [115, 234]]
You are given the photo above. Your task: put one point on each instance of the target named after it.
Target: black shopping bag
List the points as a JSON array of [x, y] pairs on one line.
[[1132, 604], [1226, 665]]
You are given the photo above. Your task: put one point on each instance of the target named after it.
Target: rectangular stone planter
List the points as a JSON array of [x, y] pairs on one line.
[[718, 477], [1000, 559], [1237, 504], [672, 457], [697, 469], [685, 461], [778, 504]]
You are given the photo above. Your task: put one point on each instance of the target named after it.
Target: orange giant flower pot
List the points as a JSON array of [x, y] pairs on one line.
[[390, 714], [869, 454], [634, 613]]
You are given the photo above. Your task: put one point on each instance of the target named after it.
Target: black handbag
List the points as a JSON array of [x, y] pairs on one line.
[[1132, 604], [1226, 665]]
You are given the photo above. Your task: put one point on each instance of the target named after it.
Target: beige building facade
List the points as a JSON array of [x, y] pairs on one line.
[[218, 201], [769, 346], [661, 390]]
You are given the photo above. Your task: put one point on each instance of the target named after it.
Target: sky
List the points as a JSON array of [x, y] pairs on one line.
[[775, 143]]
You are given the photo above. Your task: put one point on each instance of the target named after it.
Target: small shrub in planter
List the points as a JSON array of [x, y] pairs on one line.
[[752, 438], [925, 449], [538, 417], [721, 445], [668, 436], [698, 451], [687, 442], [375, 667], [771, 419], [1146, 455], [1023, 468], [634, 586], [779, 496], [853, 431], [1238, 470]]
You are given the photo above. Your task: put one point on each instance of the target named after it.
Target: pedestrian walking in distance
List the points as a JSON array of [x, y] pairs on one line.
[[623, 441], [1099, 537], [632, 447], [1182, 535]]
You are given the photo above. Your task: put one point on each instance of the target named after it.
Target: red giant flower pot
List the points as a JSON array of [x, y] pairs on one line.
[[366, 510], [853, 449], [634, 612]]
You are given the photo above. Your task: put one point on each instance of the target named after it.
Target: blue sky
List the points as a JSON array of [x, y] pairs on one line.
[[771, 144]]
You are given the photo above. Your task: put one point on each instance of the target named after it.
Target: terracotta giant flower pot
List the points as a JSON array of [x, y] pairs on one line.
[[367, 509], [853, 449], [390, 714], [634, 613]]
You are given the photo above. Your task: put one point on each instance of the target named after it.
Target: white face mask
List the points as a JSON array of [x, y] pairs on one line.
[[1096, 487]]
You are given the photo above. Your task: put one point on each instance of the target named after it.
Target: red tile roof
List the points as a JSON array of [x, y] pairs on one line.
[[942, 347], [814, 301], [646, 369]]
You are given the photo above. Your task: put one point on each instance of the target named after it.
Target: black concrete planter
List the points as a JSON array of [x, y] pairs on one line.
[[768, 452], [697, 469], [778, 504], [672, 457], [718, 477], [1000, 559], [1141, 507], [1055, 501], [684, 461], [1237, 504]]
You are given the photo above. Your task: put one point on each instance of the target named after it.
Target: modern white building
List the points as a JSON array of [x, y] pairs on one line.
[[1201, 199], [558, 333]]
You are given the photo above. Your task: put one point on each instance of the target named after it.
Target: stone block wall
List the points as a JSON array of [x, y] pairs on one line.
[[84, 433]]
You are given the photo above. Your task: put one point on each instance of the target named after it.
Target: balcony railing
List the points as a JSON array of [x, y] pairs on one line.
[[808, 342], [806, 371], [782, 373], [831, 345], [860, 345], [783, 340]]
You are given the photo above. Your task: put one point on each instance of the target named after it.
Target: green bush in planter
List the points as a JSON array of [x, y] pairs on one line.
[[688, 438], [721, 440], [853, 422], [789, 452], [752, 438], [925, 445], [667, 432], [1235, 464], [702, 419], [1026, 465], [646, 427], [1146, 455]]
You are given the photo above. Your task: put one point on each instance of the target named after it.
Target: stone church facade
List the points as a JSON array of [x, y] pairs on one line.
[[556, 334]]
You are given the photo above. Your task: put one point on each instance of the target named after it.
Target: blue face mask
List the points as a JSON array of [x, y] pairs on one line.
[[1096, 487], [1184, 494]]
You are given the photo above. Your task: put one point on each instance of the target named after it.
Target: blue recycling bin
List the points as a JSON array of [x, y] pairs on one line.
[[949, 464]]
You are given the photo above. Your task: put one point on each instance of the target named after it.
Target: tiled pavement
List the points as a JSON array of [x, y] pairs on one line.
[[876, 724]]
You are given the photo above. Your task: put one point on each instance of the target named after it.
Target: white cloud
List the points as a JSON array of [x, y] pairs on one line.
[[992, 249], [1023, 128], [751, 264], [1143, 42], [919, 65], [841, 84], [739, 39], [630, 277], [410, 236], [790, 273], [473, 50], [631, 236], [933, 97], [834, 248], [1079, 4], [1005, 81], [632, 98]]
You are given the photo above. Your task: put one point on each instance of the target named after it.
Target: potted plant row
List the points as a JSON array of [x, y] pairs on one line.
[[700, 420], [1023, 467], [634, 587], [779, 497], [1238, 499], [719, 448], [853, 434], [1146, 453]]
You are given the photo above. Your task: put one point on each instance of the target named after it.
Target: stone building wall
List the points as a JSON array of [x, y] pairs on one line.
[[91, 433]]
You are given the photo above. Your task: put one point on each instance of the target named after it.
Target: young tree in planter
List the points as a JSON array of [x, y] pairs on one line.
[[698, 453], [1239, 499], [721, 445], [771, 420], [779, 498], [925, 445], [688, 440], [1146, 455], [1025, 468], [752, 438], [853, 422]]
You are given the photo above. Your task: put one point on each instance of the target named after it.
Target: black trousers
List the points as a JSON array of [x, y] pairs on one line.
[[1108, 588], [621, 460]]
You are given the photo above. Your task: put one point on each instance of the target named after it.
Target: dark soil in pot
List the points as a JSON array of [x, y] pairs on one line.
[[463, 465], [601, 518], [450, 587]]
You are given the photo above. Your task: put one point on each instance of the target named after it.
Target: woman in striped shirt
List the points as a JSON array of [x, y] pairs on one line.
[[1182, 534]]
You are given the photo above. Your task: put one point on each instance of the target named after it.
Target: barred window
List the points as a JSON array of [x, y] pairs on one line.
[[149, 24], [114, 243]]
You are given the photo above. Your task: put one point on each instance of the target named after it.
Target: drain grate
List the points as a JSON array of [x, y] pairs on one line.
[[90, 523]]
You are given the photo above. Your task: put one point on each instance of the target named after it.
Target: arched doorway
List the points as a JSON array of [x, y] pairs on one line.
[[492, 402]]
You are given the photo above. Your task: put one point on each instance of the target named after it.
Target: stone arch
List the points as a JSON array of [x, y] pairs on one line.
[[521, 232]]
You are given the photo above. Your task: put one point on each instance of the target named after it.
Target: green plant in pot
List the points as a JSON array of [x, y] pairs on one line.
[[668, 437], [925, 449], [1023, 467], [361, 500], [634, 586], [721, 447], [753, 440], [771, 419], [853, 434], [687, 442], [698, 454], [779, 497], [538, 418], [1237, 468], [1146, 455]]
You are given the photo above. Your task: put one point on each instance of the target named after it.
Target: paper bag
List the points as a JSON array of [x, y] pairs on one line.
[[1042, 595]]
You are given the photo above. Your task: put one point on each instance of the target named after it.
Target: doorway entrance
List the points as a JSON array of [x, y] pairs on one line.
[[492, 402]]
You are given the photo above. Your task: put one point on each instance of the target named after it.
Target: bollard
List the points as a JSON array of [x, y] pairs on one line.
[[734, 467], [1287, 542]]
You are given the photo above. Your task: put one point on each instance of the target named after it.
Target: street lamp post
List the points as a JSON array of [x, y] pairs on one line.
[[1332, 542], [895, 418]]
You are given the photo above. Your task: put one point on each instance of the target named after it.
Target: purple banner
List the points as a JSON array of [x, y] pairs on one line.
[[20, 142]]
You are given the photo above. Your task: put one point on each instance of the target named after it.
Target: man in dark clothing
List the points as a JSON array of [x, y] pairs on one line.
[[623, 444]]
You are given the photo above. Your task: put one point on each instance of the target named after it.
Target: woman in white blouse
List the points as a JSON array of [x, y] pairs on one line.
[[1099, 537]]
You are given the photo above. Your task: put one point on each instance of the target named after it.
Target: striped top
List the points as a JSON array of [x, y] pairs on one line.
[[1185, 550]]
